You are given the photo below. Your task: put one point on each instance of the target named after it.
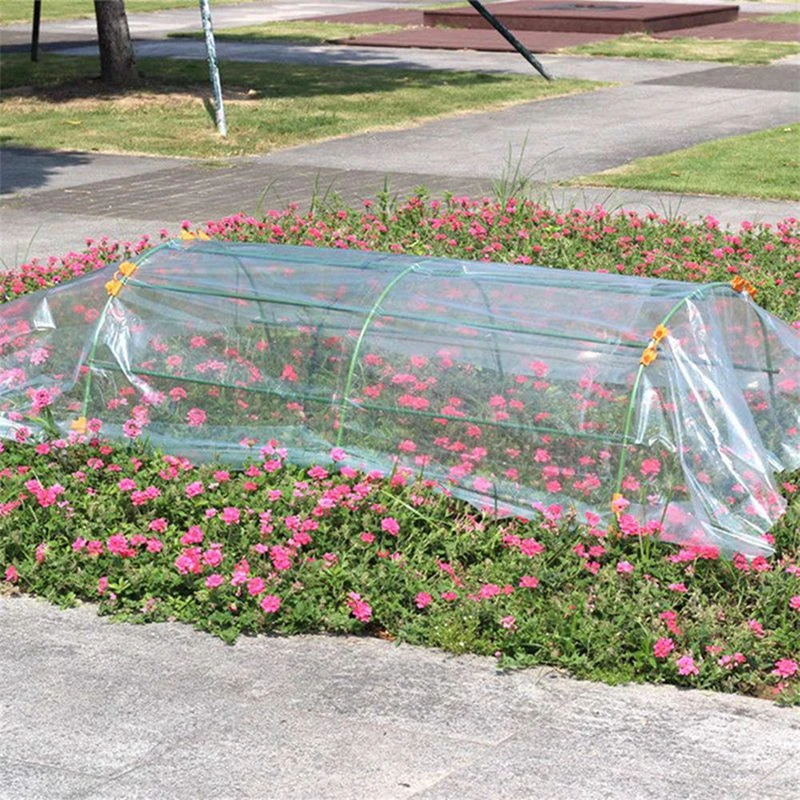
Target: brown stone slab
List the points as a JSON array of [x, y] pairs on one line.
[[741, 29], [585, 17], [474, 39], [381, 16]]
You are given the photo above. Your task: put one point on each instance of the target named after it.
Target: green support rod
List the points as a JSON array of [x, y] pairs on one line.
[[213, 68]]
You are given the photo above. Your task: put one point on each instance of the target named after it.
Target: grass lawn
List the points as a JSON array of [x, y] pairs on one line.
[[640, 45], [788, 17], [764, 164], [293, 31], [59, 104], [12, 11]]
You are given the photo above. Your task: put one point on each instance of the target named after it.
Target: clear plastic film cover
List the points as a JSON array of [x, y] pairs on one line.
[[671, 404]]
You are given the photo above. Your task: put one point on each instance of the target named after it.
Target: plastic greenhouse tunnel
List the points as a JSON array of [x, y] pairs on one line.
[[669, 403]]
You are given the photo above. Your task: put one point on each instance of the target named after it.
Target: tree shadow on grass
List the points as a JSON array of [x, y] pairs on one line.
[[57, 79]]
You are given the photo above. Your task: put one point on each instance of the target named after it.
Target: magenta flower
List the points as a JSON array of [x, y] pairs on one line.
[[195, 417], [214, 580], [509, 623], [102, 585], [625, 568], [255, 586], [528, 582], [359, 608], [194, 489], [785, 667], [390, 525], [230, 515], [423, 600], [663, 647], [650, 467], [270, 603], [686, 666], [794, 603], [11, 574]]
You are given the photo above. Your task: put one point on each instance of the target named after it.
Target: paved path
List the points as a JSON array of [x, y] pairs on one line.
[[98, 711], [52, 203], [94, 710]]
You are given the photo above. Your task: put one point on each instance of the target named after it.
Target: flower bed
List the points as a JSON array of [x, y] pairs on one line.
[[277, 547]]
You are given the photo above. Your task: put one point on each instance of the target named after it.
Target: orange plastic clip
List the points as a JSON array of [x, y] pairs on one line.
[[659, 333], [649, 355], [740, 284]]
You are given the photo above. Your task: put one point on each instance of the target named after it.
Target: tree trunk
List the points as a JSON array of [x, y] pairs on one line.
[[117, 62]]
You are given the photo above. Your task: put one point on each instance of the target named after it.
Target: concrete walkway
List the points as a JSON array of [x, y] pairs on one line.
[[89, 709], [98, 711]]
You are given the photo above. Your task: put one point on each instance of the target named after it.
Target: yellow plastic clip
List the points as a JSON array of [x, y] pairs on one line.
[[127, 268], [649, 355], [79, 425], [740, 285], [187, 236], [113, 287]]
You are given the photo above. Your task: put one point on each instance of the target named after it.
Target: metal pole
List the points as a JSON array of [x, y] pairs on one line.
[[213, 68], [37, 20], [511, 39]]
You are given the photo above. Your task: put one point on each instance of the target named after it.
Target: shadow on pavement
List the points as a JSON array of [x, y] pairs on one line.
[[24, 168]]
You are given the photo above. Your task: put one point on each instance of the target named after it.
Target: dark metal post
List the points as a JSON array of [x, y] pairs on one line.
[[510, 38], [37, 19]]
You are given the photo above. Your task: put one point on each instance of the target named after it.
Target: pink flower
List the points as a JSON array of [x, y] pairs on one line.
[[686, 666], [390, 525], [528, 582], [193, 536], [663, 647], [41, 552], [650, 466], [757, 628], [102, 585], [126, 485], [785, 667], [256, 586], [423, 600], [195, 417], [214, 580], [625, 568], [678, 587], [337, 454], [230, 515], [359, 608], [671, 621], [11, 574], [270, 603], [194, 488], [158, 525], [530, 547], [509, 623], [289, 373], [482, 485], [794, 602]]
